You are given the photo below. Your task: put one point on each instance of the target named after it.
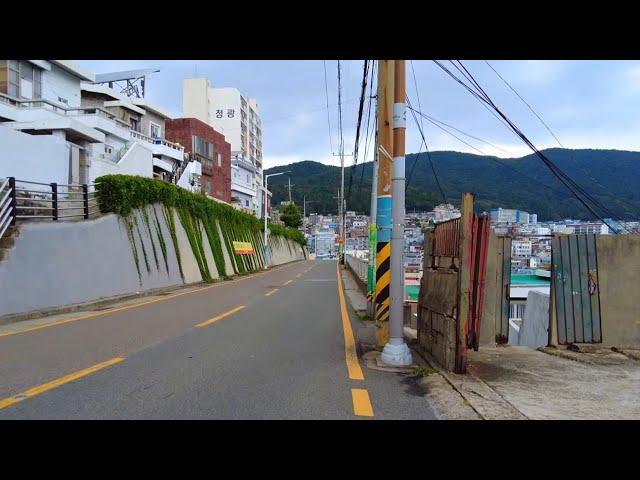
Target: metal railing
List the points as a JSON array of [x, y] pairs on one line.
[[26, 200], [78, 111], [358, 266], [7, 204], [60, 109], [156, 141]]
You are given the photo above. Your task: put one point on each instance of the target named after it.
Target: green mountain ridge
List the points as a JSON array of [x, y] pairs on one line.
[[611, 176]]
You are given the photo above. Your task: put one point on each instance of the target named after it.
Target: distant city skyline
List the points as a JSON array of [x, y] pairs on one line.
[[291, 98]]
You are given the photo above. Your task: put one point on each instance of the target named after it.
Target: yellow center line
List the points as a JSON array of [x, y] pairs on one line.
[[128, 307], [355, 372], [361, 402], [288, 282], [268, 294], [220, 317], [32, 392]]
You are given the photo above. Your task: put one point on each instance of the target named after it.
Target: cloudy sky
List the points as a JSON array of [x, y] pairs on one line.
[[587, 104]]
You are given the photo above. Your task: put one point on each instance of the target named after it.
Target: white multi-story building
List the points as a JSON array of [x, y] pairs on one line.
[[237, 117], [521, 248], [444, 212], [507, 215], [57, 126], [590, 227]]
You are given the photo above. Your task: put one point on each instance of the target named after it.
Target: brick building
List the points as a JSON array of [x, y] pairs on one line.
[[210, 148]]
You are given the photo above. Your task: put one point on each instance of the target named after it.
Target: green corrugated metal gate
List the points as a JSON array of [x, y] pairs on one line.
[[575, 288]]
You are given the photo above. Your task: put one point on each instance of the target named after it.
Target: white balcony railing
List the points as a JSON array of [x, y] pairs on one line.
[[156, 141], [60, 109]]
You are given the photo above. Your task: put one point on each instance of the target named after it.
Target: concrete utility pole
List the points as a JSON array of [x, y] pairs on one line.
[[396, 352], [383, 211], [290, 189], [265, 181], [342, 204], [304, 202]]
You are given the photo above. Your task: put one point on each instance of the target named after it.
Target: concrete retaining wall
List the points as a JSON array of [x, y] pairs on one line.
[[56, 264], [619, 285]]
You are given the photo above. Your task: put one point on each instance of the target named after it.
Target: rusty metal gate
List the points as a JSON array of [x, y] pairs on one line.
[[575, 287], [479, 247], [452, 290]]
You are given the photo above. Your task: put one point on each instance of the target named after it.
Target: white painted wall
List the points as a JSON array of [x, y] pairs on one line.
[[137, 161], [60, 83], [195, 98], [37, 158]]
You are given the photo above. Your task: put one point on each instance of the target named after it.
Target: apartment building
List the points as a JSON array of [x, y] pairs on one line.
[[237, 118], [57, 126], [507, 215], [521, 248], [209, 147], [589, 227]]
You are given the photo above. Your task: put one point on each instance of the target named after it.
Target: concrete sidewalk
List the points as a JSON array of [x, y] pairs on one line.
[[519, 383], [438, 393], [543, 386]]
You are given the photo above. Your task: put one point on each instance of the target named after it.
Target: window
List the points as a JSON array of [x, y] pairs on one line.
[[248, 181], [135, 125], [218, 159], [246, 202], [207, 187], [202, 147], [21, 79], [154, 130]]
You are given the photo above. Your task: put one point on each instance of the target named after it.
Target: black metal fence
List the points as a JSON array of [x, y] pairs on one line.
[[26, 200]]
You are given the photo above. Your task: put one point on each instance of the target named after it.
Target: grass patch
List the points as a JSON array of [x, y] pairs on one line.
[[422, 371]]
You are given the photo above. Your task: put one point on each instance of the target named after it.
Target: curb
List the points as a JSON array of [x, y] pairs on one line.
[[483, 399], [109, 301]]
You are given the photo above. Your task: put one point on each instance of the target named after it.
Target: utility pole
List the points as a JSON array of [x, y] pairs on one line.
[[342, 204], [396, 352], [265, 181], [290, 189], [304, 202], [383, 192], [371, 268]]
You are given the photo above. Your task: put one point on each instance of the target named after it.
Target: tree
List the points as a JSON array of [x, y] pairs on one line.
[[291, 216]]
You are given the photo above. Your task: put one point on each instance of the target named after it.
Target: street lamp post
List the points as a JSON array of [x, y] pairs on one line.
[[265, 181]]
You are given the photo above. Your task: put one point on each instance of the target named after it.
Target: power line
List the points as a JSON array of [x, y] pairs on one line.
[[359, 122], [577, 191], [619, 200], [424, 142], [525, 102], [494, 159], [341, 153], [375, 124], [326, 93], [436, 121]]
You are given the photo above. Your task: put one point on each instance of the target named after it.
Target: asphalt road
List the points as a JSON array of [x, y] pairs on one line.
[[268, 346]]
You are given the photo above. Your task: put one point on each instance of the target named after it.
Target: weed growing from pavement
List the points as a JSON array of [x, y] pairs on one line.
[[422, 371]]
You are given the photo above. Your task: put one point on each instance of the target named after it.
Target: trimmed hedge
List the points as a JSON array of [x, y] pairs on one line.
[[122, 194]]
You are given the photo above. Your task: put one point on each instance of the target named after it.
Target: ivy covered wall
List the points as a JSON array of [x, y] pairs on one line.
[[201, 230]]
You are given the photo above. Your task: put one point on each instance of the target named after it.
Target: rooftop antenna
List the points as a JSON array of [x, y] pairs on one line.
[[135, 81]]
